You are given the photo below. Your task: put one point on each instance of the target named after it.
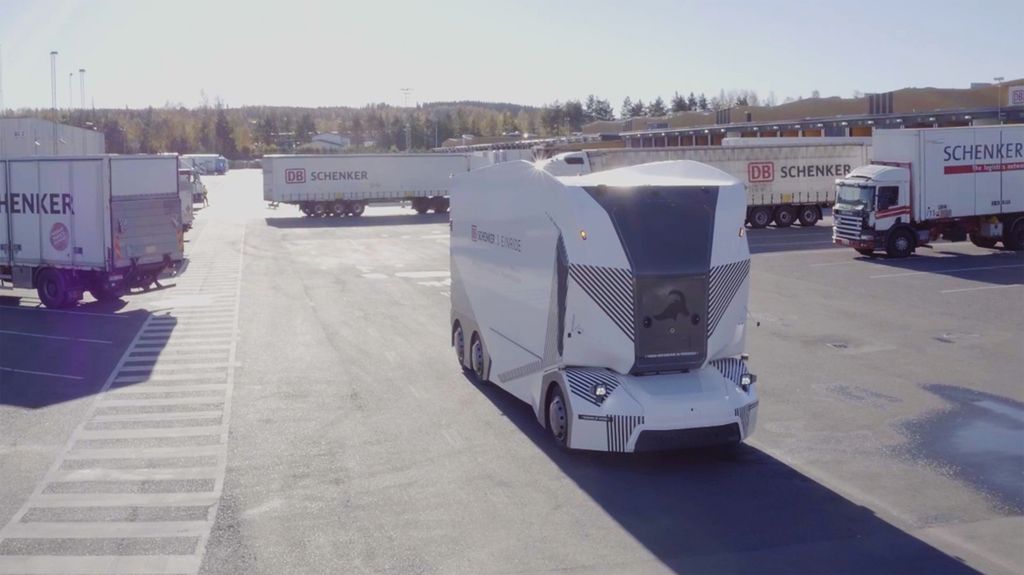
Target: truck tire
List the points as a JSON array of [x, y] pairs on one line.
[[338, 209], [808, 215], [982, 241], [319, 209], [356, 209], [104, 293], [459, 343], [439, 205], [901, 244], [557, 416], [306, 209], [478, 358], [760, 217], [1013, 237], [52, 287], [421, 205], [785, 216]]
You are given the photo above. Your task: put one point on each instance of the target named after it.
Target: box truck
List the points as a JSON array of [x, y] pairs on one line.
[[931, 183], [106, 224], [615, 303], [187, 188], [785, 183], [338, 185], [206, 163]]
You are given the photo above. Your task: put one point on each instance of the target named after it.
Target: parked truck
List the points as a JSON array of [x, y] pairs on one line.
[[338, 185], [931, 183], [786, 183], [187, 188], [206, 163], [614, 304], [103, 224]]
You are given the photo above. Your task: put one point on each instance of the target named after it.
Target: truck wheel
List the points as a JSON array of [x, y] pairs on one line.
[[104, 293], [439, 205], [760, 217], [338, 209], [866, 252], [1013, 238], [808, 215], [477, 357], [982, 241], [459, 341], [785, 216], [420, 205], [356, 209], [558, 416], [306, 209], [52, 288], [319, 209], [901, 244]]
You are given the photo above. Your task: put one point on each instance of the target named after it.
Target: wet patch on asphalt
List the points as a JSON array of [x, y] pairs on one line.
[[980, 438]]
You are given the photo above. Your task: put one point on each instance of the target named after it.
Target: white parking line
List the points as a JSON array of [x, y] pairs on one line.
[[46, 373], [423, 275], [26, 334], [979, 288], [902, 274]]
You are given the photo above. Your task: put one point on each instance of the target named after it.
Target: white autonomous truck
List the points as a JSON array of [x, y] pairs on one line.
[[614, 303]]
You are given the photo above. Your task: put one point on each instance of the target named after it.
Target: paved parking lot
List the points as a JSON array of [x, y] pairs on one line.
[[293, 405]]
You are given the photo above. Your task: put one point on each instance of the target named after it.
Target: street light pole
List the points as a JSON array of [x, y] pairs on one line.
[[408, 127], [999, 98], [81, 87], [53, 94], [71, 100]]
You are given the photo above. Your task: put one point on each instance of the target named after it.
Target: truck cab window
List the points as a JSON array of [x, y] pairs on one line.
[[888, 196]]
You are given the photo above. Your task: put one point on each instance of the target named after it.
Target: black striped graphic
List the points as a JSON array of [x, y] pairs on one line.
[[523, 371], [582, 381], [620, 428], [731, 368], [611, 289], [724, 282]]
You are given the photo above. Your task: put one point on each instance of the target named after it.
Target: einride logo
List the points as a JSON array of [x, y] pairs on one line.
[[761, 171], [295, 176]]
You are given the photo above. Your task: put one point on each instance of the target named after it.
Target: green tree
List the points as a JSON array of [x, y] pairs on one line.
[[224, 136], [638, 110], [702, 103], [692, 103], [679, 103], [657, 108], [305, 128], [575, 116], [552, 119], [626, 111]]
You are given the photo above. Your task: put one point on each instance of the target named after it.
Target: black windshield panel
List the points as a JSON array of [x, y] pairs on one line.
[[664, 230]]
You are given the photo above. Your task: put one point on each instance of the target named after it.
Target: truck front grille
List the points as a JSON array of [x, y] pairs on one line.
[[848, 226]]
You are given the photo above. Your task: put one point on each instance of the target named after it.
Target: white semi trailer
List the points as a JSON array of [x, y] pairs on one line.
[[786, 183], [338, 185], [106, 224], [615, 303], [926, 184]]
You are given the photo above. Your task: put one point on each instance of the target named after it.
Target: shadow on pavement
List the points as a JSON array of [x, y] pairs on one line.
[[795, 238], [49, 357], [999, 267], [363, 221], [698, 512]]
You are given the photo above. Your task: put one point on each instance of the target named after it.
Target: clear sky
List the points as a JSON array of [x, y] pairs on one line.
[[140, 52]]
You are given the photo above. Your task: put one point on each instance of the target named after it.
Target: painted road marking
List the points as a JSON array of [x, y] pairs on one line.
[[47, 310], [945, 271], [57, 337], [423, 275], [979, 288], [45, 373], [155, 436]]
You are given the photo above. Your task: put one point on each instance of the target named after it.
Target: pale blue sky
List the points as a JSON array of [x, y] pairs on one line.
[[304, 53]]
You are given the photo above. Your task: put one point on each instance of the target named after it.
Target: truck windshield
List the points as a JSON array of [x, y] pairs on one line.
[[851, 197], [666, 231]]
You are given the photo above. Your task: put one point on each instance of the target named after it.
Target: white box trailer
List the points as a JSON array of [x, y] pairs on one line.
[[106, 224], [931, 183], [343, 184], [206, 163], [615, 304], [785, 183]]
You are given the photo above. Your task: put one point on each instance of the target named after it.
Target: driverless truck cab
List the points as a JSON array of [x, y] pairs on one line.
[[613, 303]]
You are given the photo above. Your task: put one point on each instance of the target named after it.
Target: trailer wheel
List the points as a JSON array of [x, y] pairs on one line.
[[866, 252], [52, 288], [1013, 238], [439, 205], [808, 215], [459, 342], [420, 205], [760, 217], [785, 216], [319, 209], [901, 244], [356, 209], [982, 241], [477, 357], [558, 416], [306, 209], [338, 209]]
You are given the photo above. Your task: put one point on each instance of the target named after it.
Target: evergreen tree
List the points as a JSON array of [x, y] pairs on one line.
[[691, 102], [679, 103], [657, 108], [627, 109]]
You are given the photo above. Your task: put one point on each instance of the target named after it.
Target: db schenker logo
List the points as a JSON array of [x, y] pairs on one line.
[[59, 237], [761, 171], [295, 176]]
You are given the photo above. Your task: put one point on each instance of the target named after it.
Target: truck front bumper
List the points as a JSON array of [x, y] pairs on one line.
[[856, 244], [664, 412]]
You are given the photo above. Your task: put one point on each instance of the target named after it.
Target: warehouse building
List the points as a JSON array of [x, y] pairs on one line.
[[24, 137]]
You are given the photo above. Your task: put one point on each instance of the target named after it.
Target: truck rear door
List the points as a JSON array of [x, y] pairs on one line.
[[145, 210]]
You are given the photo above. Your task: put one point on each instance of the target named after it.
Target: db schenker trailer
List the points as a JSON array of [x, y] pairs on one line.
[[931, 183], [106, 224], [338, 185], [786, 182], [615, 304]]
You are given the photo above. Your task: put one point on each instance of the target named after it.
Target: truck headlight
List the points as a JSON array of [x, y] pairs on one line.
[[600, 391], [747, 379]]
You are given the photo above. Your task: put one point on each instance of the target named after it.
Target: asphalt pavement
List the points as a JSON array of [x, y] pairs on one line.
[[293, 405]]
